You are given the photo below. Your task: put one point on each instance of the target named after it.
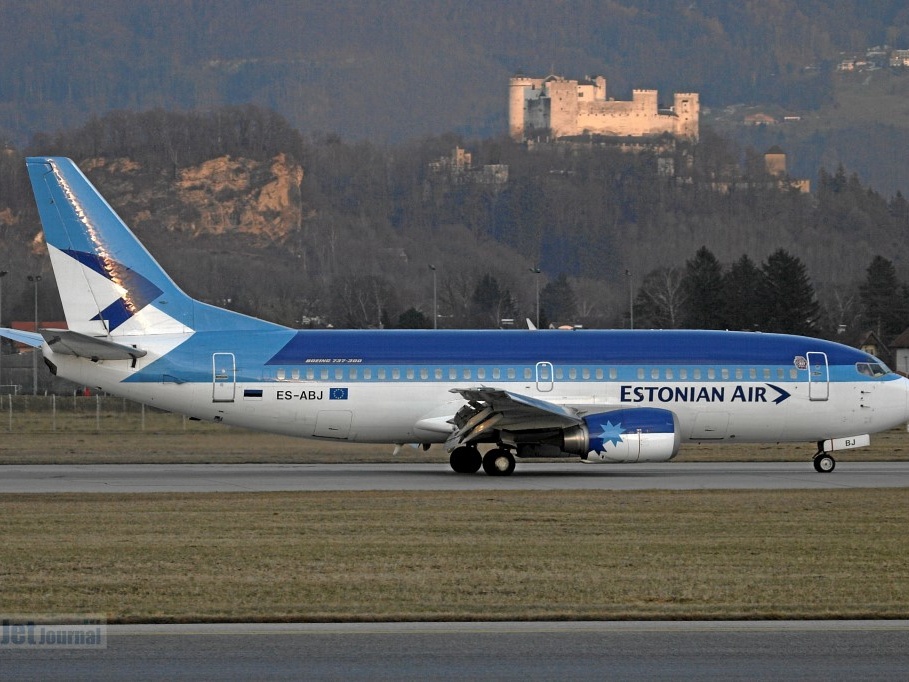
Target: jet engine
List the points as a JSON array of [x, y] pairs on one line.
[[641, 434]]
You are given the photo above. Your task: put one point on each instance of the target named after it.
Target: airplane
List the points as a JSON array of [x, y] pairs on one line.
[[609, 396]]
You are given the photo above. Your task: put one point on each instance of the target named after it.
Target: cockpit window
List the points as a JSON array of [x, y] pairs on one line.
[[871, 369]]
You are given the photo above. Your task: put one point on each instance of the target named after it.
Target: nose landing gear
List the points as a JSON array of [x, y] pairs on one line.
[[824, 463]]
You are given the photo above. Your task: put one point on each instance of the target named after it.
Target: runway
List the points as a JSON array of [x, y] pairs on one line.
[[823, 650], [151, 478]]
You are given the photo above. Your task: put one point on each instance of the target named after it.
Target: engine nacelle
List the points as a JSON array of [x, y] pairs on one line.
[[639, 434]]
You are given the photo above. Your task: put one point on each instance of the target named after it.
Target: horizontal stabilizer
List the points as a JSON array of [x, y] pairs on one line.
[[28, 338], [68, 342]]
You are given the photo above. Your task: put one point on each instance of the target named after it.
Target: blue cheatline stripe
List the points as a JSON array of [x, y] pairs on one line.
[[621, 347]]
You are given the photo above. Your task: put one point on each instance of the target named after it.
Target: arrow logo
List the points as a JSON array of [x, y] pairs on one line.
[[782, 393]]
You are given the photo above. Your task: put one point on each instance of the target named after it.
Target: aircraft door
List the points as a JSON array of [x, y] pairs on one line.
[[818, 376], [544, 376], [224, 377]]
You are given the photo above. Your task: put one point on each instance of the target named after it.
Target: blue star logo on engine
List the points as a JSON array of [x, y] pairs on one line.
[[611, 433]]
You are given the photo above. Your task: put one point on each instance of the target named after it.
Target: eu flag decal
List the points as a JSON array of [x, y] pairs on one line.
[[338, 394]]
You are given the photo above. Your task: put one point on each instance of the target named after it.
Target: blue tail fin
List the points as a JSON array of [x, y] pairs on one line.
[[109, 284]]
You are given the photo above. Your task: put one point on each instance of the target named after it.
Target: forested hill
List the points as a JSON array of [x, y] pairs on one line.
[[391, 71], [245, 212]]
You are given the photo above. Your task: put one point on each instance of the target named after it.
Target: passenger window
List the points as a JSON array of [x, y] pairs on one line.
[[481, 373], [697, 373], [510, 373], [724, 373], [559, 374], [424, 373], [640, 372], [793, 373], [654, 373], [752, 373], [669, 374], [352, 374], [711, 373], [409, 373], [496, 373], [438, 373], [280, 374], [452, 373], [367, 374], [466, 374], [779, 373], [528, 374], [572, 373], [585, 373], [395, 374], [339, 374], [324, 374], [738, 373], [683, 374], [295, 374], [766, 372], [381, 374], [310, 374], [613, 373]]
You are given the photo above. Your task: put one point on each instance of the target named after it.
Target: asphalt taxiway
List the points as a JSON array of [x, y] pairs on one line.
[[817, 650], [149, 478]]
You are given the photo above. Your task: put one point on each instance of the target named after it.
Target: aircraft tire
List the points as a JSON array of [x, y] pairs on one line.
[[465, 460], [824, 463], [498, 462]]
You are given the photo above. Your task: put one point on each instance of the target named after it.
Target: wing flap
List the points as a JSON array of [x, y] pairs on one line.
[[489, 408]]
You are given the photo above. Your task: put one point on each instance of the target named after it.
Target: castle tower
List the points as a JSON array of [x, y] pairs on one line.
[[687, 108], [517, 105]]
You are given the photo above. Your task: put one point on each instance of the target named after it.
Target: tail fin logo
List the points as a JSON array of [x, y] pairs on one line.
[[137, 291]]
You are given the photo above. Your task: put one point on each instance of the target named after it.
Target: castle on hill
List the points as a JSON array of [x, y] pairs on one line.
[[557, 107]]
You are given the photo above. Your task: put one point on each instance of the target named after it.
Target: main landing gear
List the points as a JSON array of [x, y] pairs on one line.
[[468, 460], [824, 462]]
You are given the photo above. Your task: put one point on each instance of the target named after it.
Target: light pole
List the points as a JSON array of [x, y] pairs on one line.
[[3, 273], [630, 299], [435, 300], [35, 279], [536, 271]]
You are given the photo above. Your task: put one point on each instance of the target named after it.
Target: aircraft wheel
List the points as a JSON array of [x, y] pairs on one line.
[[465, 460], [824, 463], [498, 462]]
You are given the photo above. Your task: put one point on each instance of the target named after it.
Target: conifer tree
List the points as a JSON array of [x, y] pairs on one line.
[[883, 299], [787, 296], [703, 291], [741, 295]]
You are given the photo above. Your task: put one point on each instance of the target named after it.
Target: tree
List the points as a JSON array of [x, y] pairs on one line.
[[787, 296], [489, 304], [413, 319], [660, 299], [557, 302], [741, 295], [703, 291], [883, 301]]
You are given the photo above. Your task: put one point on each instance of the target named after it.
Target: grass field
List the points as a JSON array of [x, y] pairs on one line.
[[463, 556], [431, 555]]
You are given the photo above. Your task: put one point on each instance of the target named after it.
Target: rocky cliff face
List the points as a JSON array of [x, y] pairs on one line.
[[221, 196]]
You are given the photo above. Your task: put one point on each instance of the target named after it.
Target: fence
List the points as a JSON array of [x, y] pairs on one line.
[[84, 414]]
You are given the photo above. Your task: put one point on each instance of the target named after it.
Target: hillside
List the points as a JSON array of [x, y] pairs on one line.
[[341, 233]]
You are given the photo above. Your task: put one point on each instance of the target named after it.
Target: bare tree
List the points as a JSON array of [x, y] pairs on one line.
[[661, 298]]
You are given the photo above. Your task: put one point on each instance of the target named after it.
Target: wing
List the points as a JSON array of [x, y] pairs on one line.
[[489, 408]]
